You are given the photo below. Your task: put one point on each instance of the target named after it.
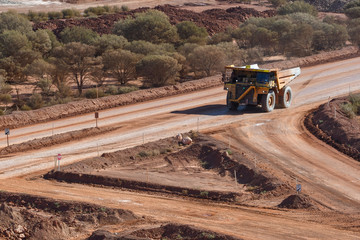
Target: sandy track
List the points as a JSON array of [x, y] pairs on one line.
[[245, 222], [277, 140], [165, 117]]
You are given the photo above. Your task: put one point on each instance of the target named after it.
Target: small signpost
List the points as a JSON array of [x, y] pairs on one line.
[[59, 158], [96, 118], [7, 133]]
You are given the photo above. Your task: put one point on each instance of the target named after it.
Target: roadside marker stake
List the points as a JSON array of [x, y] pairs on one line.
[[235, 177], [7, 133], [59, 158], [335, 112], [96, 118]]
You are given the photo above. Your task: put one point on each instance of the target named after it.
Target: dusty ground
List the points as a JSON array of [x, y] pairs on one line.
[[204, 169], [276, 145], [331, 125], [32, 217], [18, 119]]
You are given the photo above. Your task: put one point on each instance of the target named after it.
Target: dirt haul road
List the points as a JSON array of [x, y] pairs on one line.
[[276, 140]]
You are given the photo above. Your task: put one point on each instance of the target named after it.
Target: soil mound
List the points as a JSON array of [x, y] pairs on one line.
[[174, 170], [297, 201], [168, 231], [31, 217], [215, 20], [53, 140], [332, 126]]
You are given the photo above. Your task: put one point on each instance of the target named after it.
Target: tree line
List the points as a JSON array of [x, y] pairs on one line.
[[148, 47]]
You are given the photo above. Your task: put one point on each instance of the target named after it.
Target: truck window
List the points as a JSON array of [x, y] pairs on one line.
[[262, 78]]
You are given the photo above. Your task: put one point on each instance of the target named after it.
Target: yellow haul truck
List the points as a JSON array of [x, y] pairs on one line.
[[250, 85]]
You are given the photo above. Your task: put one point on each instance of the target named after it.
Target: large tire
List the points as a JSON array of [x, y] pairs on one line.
[[285, 99], [268, 101], [231, 105]]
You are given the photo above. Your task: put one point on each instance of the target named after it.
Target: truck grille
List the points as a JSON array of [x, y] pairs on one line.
[[240, 90]]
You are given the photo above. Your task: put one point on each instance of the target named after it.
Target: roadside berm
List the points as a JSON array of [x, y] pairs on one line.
[[331, 125], [205, 169], [32, 217]]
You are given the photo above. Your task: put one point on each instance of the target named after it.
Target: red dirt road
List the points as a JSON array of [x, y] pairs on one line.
[[278, 141]]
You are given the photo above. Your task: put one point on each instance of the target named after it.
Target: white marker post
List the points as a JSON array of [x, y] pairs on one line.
[[7, 133], [96, 118], [59, 158]]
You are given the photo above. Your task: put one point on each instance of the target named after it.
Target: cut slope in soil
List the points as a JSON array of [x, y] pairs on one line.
[[202, 170], [55, 139], [31, 217], [166, 231], [298, 201], [332, 126]]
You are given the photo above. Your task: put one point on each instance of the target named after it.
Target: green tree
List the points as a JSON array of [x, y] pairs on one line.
[[220, 37], [152, 26], [300, 41], [121, 64], [207, 60], [277, 3], [40, 41], [70, 13], [78, 60], [352, 9], [190, 33], [265, 38], [109, 42], [244, 34], [14, 21], [78, 34], [354, 31], [142, 47], [15, 59], [233, 54], [158, 70], [297, 6], [40, 70], [5, 90]]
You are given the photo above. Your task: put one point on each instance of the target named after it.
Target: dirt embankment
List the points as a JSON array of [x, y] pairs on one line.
[[204, 156], [56, 139], [166, 231], [26, 216], [298, 201], [19, 119], [31, 217], [214, 20], [331, 125]]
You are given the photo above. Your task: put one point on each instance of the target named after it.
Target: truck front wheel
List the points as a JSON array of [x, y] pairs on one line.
[[268, 101], [231, 105], [285, 99]]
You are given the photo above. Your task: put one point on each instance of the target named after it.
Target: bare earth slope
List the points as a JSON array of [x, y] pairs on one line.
[[330, 124]]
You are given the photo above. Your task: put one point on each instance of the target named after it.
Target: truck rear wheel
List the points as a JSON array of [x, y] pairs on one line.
[[285, 99], [268, 101], [231, 105]]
